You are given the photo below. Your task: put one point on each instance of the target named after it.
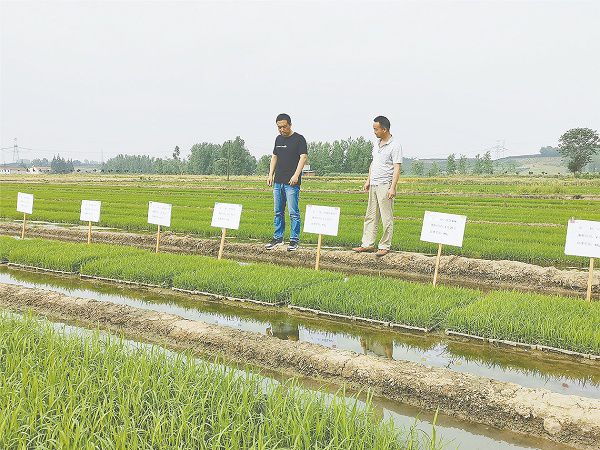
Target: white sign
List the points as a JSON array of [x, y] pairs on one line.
[[322, 220], [583, 238], [90, 211], [159, 213], [442, 228], [25, 203], [226, 215]]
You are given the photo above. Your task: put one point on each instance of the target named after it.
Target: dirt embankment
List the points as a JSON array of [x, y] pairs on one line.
[[414, 266], [571, 420]]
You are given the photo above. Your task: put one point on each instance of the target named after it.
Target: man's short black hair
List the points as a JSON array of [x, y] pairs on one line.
[[284, 116], [383, 121]]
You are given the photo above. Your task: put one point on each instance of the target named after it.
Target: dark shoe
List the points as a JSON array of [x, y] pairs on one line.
[[274, 243], [293, 246], [381, 252], [363, 249]]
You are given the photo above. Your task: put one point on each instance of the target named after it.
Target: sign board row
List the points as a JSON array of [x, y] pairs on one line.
[[583, 236]]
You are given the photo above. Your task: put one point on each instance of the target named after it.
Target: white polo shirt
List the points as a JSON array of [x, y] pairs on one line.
[[384, 158]]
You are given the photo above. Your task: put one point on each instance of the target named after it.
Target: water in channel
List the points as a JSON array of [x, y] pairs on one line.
[[557, 373], [450, 433]]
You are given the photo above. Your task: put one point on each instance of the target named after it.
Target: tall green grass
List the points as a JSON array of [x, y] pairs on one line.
[[514, 232], [385, 299], [265, 282], [567, 323], [74, 392]]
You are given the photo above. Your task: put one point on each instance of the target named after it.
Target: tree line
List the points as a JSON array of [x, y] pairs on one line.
[[352, 155], [233, 158]]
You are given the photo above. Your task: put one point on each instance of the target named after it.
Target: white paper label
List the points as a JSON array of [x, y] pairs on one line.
[[90, 211], [442, 228], [159, 213], [226, 215], [25, 203], [322, 220], [583, 238]]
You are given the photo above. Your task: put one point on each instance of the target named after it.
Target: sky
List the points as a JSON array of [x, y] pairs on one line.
[[90, 80]]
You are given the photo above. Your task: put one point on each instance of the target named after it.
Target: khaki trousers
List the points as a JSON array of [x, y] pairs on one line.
[[379, 206]]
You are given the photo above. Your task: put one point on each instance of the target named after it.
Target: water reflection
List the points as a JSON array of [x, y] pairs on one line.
[[531, 369]]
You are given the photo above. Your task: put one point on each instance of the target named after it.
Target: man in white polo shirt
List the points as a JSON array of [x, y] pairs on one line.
[[381, 185]]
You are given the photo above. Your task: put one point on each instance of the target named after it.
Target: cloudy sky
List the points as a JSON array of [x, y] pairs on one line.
[[100, 78]]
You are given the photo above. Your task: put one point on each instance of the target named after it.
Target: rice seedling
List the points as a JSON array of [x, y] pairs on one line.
[[567, 323], [263, 282], [62, 391], [498, 228], [63, 256], [385, 299]]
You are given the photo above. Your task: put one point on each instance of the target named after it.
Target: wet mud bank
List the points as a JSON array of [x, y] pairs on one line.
[[571, 420], [455, 270]]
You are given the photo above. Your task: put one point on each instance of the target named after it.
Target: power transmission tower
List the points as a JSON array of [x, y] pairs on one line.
[[15, 152], [500, 149]]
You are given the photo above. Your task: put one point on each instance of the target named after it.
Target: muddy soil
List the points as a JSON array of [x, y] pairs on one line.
[[456, 270], [570, 420]]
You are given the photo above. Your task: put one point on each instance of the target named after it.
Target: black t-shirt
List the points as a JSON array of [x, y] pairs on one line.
[[288, 151]]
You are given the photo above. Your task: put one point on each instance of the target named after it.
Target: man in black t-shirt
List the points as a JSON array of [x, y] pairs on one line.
[[285, 175]]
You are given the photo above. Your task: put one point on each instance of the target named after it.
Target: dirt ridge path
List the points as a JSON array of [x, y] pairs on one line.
[[571, 420], [456, 270]]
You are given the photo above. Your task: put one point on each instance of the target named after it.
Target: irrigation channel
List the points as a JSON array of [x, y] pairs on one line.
[[450, 433], [553, 372]]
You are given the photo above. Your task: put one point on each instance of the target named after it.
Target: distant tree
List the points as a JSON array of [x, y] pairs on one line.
[[487, 165], [235, 159], [176, 153], [451, 164], [418, 168], [577, 146], [60, 165], [358, 155], [263, 164], [462, 167], [434, 170], [477, 165], [202, 158]]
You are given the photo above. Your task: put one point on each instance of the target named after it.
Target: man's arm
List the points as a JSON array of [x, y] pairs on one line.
[[301, 162], [368, 182], [395, 176], [272, 170]]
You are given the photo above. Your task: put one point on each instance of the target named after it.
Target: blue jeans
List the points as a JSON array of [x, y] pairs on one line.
[[282, 194]]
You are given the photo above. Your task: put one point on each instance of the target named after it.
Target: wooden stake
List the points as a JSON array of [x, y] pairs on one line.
[[590, 275], [24, 222], [157, 238], [224, 231], [318, 252], [89, 232], [437, 264]]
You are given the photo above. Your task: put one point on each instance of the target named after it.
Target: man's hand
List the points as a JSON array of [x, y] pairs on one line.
[[391, 193], [294, 180], [270, 180], [366, 185]]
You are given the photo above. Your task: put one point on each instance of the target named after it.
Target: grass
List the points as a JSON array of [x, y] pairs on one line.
[[385, 299], [523, 227], [62, 391], [567, 323]]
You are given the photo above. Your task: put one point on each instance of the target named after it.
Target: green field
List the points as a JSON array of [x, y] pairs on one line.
[[523, 221], [567, 323], [60, 391]]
